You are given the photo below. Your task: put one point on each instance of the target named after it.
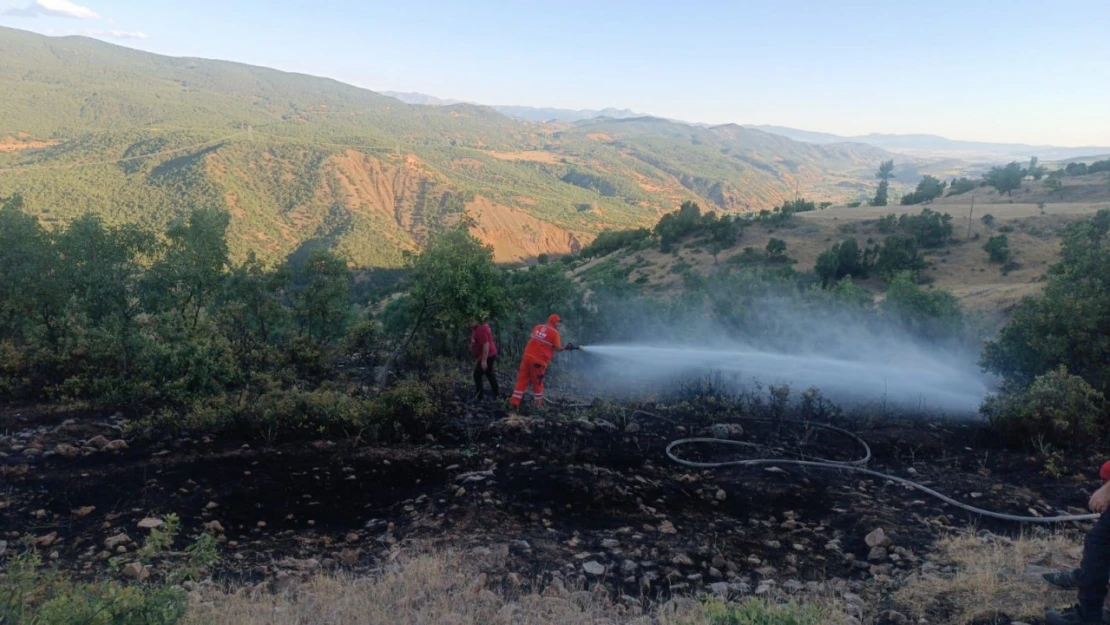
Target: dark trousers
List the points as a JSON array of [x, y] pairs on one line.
[[1094, 572], [489, 375]]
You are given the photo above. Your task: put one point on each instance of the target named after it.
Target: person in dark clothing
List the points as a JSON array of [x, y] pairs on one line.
[[1094, 571], [485, 355]]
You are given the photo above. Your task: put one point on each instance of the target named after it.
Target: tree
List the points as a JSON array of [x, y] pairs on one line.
[[998, 247], [776, 250], [723, 234], [1035, 170], [960, 186], [928, 189], [1005, 179], [844, 259], [897, 254], [321, 297], [452, 282], [1066, 325], [680, 223], [885, 173], [931, 313], [1053, 183]]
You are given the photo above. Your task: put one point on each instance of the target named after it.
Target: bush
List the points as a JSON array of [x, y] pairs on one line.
[[776, 250], [30, 595], [897, 254], [930, 228], [1058, 408], [928, 189], [760, 612], [998, 247], [609, 241], [988, 220], [840, 260], [960, 186]]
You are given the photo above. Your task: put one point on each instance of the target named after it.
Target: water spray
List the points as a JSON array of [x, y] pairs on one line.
[[948, 384]]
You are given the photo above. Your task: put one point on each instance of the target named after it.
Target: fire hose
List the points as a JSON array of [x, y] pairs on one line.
[[856, 466]]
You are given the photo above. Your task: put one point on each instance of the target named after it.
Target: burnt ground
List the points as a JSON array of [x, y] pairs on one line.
[[539, 502]]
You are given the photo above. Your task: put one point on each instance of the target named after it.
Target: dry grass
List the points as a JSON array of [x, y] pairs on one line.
[[993, 576], [440, 589], [535, 156]]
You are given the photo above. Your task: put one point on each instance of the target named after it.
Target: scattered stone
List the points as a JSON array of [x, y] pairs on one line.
[[45, 541], [352, 537], [212, 505], [610, 543], [594, 568], [150, 523], [877, 554], [682, 560], [721, 494], [719, 589], [350, 556], [84, 511], [67, 451], [116, 445], [666, 527], [878, 538], [136, 570], [727, 430], [117, 541], [97, 442], [214, 526]]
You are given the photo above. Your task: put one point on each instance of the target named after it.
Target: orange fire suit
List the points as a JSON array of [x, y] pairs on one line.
[[537, 355]]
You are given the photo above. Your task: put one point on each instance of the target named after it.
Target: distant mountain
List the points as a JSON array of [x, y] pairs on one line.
[[528, 113], [934, 145], [301, 162]]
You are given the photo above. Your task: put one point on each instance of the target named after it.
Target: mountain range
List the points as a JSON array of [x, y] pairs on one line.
[[300, 161], [920, 144]]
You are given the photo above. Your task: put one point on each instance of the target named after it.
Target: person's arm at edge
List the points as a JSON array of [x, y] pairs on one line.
[[1100, 500], [485, 355]]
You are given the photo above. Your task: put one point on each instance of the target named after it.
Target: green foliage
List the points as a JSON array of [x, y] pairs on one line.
[[960, 186], [609, 241], [928, 313], [988, 220], [452, 283], [1005, 179], [899, 254], [844, 259], [679, 224], [1076, 169], [32, 595], [888, 223], [1035, 170], [931, 229], [776, 250], [998, 247], [1057, 408], [757, 611], [1066, 325], [927, 190], [1053, 184], [885, 173]]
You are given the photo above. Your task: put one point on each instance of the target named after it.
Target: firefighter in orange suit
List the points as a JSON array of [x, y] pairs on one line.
[[541, 349]]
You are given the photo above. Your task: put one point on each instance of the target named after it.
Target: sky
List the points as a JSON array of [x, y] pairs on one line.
[[991, 70]]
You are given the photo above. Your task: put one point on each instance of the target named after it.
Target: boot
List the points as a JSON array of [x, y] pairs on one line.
[[1063, 580]]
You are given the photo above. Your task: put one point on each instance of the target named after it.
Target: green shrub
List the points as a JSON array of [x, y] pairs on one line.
[[760, 612], [1057, 408], [998, 247]]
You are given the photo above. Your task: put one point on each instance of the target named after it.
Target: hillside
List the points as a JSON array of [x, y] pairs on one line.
[[942, 146], [528, 113], [302, 161], [962, 268]]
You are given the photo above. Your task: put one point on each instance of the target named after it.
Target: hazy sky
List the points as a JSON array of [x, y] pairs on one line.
[[996, 70]]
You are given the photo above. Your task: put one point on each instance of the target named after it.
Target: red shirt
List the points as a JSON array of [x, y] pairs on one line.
[[480, 337]]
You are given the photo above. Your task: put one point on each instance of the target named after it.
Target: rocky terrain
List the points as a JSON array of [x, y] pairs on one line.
[[556, 503]]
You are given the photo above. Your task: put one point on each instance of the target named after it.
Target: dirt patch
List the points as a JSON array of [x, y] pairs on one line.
[[515, 235], [599, 136], [535, 156], [23, 142]]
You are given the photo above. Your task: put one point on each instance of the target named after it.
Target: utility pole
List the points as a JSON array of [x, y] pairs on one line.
[[969, 214]]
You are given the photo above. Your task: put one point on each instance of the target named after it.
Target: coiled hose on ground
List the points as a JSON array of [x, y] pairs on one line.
[[857, 466]]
